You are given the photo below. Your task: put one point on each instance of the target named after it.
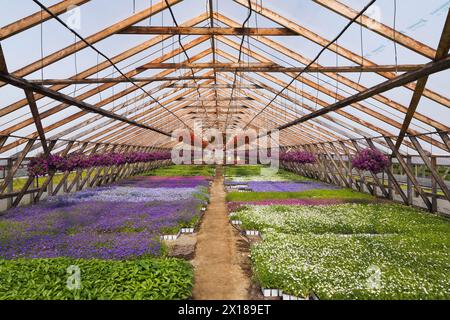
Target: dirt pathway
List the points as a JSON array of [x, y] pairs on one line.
[[218, 275]]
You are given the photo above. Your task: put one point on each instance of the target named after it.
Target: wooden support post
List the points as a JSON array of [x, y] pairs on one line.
[[446, 139], [37, 118], [10, 177], [434, 184], [9, 187], [432, 169], [409, 174], [49, 180], [30, 180], [409, 186]]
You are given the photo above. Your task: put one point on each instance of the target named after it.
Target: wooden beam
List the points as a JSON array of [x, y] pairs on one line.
[[408, 172], [24, 84], [11, 173], [378, 27], [434, 173], [204, 65], [444, 46], [37, 18], [292, 54], [210, 31], [3, 65], [428, 69], [272, 67], [103, 34], [37, 118], [330, 93], [112, 80], [346, 53], [214, 86], [146, 45], [444, 136], [30, 179], [215, 99]]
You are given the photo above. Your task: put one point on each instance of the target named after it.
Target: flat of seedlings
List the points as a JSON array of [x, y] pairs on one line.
[[218, 274]]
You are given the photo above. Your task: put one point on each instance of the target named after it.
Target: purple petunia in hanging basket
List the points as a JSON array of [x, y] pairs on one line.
[[301, 157], [42, 165], [371, 160], [38, 166]]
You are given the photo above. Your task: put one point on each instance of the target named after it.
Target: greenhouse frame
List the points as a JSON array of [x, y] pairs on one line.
[[350, 98]]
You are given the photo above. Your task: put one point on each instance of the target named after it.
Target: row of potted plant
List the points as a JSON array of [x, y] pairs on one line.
[[302, 157], [367, 160], [42, 165]]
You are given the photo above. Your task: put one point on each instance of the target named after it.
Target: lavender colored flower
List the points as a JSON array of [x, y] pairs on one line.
[[108, 222]]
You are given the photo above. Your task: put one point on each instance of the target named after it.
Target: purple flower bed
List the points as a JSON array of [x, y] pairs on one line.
[[275, 186], [233, 206], [167, 182], [108, 223]]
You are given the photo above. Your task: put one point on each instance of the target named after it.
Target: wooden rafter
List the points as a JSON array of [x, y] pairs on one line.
[[348, 54], [428, 69], [272, 67], [442, 52], [113, 80], [379, 28], [37, 118], [101, 35], [335, 77], [37, 18], [24, 84], [210, 31], [104, 65]]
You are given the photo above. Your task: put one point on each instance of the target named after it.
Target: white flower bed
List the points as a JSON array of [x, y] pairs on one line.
[[359, 267], [350, 251], [339, 219]]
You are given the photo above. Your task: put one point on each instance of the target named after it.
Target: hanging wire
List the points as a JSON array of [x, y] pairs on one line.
[[247, 19], [395, 36], [109, 60], [317, 56], [151, 13], [42, 45], [76, 68], [361, 36], [172, 14], [337, 73], [98, 82], [134, 6]]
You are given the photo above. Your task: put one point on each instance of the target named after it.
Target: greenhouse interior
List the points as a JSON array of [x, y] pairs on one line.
[[252, 150]]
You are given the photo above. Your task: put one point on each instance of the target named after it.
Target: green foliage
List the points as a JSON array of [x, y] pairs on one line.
[[143, 279], [183, 170], [244, 170], [316, 194]]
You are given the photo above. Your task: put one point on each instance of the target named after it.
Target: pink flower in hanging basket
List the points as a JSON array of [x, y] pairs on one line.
[[301, 157], [371, 160]]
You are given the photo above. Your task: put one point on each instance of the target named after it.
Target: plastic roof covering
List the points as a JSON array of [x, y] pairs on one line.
[[421, 20]]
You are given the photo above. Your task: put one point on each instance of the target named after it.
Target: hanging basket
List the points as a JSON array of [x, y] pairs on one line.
[[371, 160], [301, 157], [41, 165]]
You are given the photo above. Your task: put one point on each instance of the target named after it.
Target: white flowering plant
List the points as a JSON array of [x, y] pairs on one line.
[[350, 251], [336, 266]]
